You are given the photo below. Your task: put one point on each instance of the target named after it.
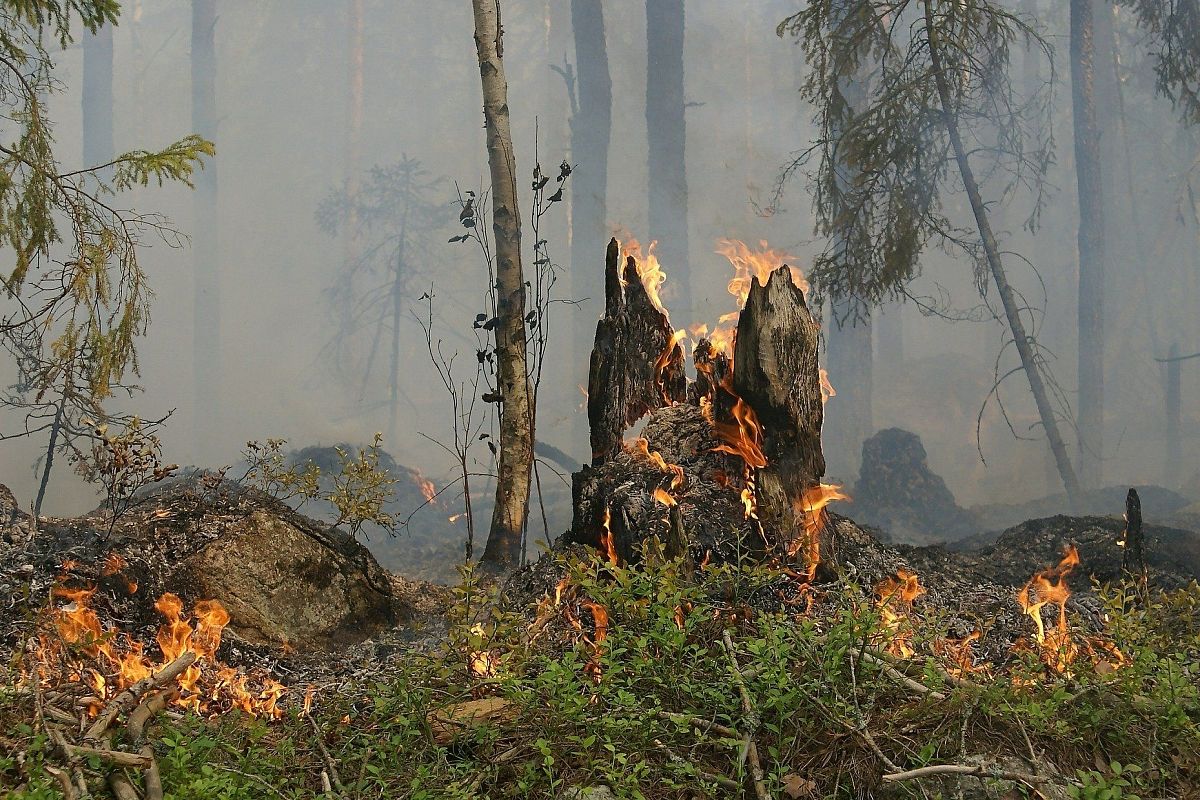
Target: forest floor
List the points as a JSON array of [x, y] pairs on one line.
[[653, 682]]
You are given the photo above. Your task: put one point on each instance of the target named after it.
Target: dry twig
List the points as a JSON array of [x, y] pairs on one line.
[[126, 699], [749, 747]]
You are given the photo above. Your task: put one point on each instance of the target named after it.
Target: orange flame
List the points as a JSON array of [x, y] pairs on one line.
[[648, 269], [427, 487], [743, 436], [958, 654], [606, 538], [895, 598], [810, 509], [827, 390], [1049, 586], [665, 361], [664, 497], [117, 662]]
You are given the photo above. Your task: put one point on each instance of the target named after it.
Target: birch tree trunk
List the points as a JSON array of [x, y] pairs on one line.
[[503, 548], [1012, 313], [1088, 159]]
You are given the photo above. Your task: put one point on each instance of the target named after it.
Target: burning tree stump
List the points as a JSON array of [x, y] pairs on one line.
[[637, 363], [775, 373], [735, 457]]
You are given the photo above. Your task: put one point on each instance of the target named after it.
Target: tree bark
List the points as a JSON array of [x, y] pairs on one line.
[[666, 134], [591, 130], [775, 371], [636, 364], [206, 339], [503, 549], [992, 252], [1088, 159]]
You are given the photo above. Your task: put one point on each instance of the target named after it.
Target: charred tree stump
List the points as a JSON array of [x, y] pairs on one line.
[[637, 363], [1133, 556], [775, 372]]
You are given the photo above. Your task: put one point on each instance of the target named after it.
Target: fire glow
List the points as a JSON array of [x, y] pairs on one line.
[[109, 661], [1049, 586], [895, 596]]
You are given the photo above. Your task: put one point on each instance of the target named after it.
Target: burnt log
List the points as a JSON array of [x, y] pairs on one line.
[[637, 362], [775, 372]]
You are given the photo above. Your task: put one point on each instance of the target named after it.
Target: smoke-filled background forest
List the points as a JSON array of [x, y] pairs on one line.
[[346, 134]]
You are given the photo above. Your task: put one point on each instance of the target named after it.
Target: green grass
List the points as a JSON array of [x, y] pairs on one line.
[[616, 714]]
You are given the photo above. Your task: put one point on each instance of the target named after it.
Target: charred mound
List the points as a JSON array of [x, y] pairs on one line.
[[287, 581]]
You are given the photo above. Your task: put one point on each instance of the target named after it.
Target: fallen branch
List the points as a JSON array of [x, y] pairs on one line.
[[331, 772], [749, 747], [152, 704], [126, 699], [702, 724], [151, 778], [121, 788], [898, 676], [117, 758], [977, 771]]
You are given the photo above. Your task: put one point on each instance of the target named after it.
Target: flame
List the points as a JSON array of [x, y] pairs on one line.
[[600, 621], [810, 509], [642, 446], [606, 538], [1049, 586], [667, 359], [427, 487], [453, 518], [748, 264], [743, 436], [958, 654], [895, 598], [117, 662], [827, 390], [113, 563], [648, 269], [480, 663], [663, 496]]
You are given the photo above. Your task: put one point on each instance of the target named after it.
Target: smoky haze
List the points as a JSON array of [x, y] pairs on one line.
[[284, 109]]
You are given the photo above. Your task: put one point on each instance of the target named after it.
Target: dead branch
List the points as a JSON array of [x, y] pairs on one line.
[[331, 772], [151, 778], [702, 724], [117, 758], [151, 704], [126, 699], [898, 676], [749, 747], [975, 770], [121, 788]]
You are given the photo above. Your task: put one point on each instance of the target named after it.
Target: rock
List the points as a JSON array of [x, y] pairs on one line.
[[287, 581], [898, 492], [283, 586]]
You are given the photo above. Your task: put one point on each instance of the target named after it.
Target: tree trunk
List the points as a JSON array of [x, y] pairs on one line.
[[637, 363], [354, 120], [1011, 311], [206, 340], [775, 371], [98, 97], [591, 129], [1088, 159], [888, 326], [849, 358], [503, 549], [665, 130]]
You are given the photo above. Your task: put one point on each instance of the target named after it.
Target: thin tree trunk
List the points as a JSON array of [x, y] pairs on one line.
[[849, 419], [397, 312], [55, 429], [354, 120], [1088, 159], [991, 250], [206, 341], [591, 130], [667, 216], [98, 97], [503, 549]]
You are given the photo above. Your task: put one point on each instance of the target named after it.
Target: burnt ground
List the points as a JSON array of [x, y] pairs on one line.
[[308, 602]]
